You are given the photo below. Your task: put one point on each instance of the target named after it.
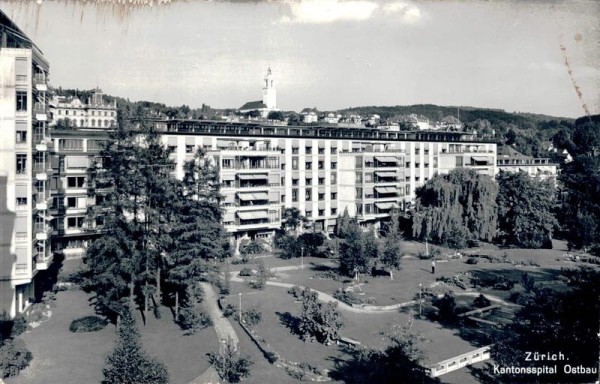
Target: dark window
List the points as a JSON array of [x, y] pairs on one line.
[[21, 201], [334, 211], [21, 164], [333, 195], [21, 101], [294, 195], [21, 137], [321, 196], [321, 212]]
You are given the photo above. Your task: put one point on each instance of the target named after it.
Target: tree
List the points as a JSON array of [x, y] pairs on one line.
[[343, 223], [400, 362], [129, 363], [579, 213], [461, 199], [276, 115], [562, 320], [197, 227], [391, 253], [357, 251], [230, 366], [525, 206], [292, 218], [456, 237], [318, 321]]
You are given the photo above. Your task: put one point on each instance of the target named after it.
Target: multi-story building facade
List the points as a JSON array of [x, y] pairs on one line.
[[95, 113], [322, 171], [25, 223]]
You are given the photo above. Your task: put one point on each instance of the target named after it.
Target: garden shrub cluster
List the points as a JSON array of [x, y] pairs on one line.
[[88, 324], [14, 355], [193, 319]]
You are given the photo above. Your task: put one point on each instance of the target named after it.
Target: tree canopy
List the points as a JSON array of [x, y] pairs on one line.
[[461, 200], [525, 210]]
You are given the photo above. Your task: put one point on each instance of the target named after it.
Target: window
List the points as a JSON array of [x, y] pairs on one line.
[[294, 194], [21, 69], [105, 113], [227, 163], [189, 149], [408, 164], [417, 165], [359, 192], [75, 222], [368, 177], [67, 112], [407, 179], [417, 151], [321, 212], [21, 137], [333, 195], [294, 163], [427, 151], [368, 209], [334, 211], [308, 165], [283, 198], [295, 181], [99, 221], [71, 202], [228, 184], [93, 113], [75, 182], [321, 164], [334, 165], [308, 181], [359, 162], [359, 209], [21, 201], [321, 196], [21, 101], [308, 194], [407, 189], [283, 181], [333, 151], [333, 178], [21, 164], [417, 178], [359, 177], [308, 150], [295, 151], [321, 181], [321, 151]]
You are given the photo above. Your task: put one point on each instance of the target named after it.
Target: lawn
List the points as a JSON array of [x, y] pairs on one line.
[[62, 357]]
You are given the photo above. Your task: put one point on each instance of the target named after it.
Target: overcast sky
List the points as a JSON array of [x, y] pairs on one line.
[[328, 54]]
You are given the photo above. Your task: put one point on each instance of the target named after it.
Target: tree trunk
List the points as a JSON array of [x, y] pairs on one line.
[[131, 289], [391, 275], [176, 304], [158, 291]]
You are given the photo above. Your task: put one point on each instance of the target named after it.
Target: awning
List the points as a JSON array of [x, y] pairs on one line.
[[386, 189], [253, 196], [386, 174], [368, 190], [368, 159], [255, 215], [386, 205], [480, 159], [45, 217], [252, 177], [386, 159], [228, 176]]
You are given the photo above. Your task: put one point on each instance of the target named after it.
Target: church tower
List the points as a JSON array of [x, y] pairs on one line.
[[269, 93]]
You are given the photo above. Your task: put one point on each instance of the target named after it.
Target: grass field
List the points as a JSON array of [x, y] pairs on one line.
[[62, 357]]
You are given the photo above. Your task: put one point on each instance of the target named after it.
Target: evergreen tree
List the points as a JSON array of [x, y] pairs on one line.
[[391, 253], [129, 363], [460, 199], [525, 209], [230, 366], [343, 223], [318, 321], [200, 238]]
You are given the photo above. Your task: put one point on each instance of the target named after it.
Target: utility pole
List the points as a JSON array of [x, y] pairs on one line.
[[420, 301], [302, 258], [240, 296]]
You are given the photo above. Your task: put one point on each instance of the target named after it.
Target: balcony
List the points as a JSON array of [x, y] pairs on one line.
[[43, 261], [42, 231], [39, 112], [39, 82], [41, 147]]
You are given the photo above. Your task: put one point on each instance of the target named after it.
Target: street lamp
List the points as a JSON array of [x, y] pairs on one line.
[[302, 258], [240, 296], [420, 301]]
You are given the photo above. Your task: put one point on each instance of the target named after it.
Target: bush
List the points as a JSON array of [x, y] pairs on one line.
[[446, 306], [11, 327], [295, 291], [481, 302], [88, 324], [271, 357], [192, 319], [229, 364], [472, 260], [14, 357], [253, 247], [251, 317], [229, 310], [246, 272]]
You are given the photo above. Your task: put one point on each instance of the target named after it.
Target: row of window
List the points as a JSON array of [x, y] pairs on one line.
[[308, 180], [309, 151], [309, 164], [74, 113], [308, 195]]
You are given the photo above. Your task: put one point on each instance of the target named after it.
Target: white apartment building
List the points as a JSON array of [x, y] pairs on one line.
[[25, 244]]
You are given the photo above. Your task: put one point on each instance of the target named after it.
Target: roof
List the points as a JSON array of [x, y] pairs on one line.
[[509, 151], [253, 105]]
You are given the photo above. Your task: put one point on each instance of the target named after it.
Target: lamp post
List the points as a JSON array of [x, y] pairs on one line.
[[420, 301], [302, 258], [240, 296]]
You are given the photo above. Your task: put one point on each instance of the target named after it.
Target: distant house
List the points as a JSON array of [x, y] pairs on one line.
[[309, 115], [509, 159]]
